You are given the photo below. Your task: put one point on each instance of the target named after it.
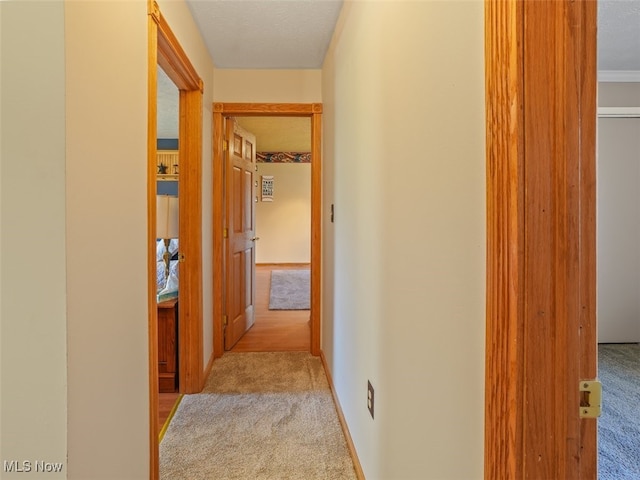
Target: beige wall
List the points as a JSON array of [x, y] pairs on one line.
[[404, 263], [272, 86], [106, 182], [33, 368], [284, 225]]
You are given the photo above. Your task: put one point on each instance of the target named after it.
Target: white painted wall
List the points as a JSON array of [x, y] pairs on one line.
[[33, 363], [284, 225], [404, 262], [618, 229]]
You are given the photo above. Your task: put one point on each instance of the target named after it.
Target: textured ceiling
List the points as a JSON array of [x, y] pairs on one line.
[[275, 34]]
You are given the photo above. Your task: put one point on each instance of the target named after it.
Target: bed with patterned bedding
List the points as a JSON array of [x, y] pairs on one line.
[[166, 285]]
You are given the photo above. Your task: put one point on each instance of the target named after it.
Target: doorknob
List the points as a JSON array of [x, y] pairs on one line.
[[254, 239]]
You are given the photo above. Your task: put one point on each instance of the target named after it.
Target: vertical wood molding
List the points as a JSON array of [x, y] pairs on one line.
[[190, 179], [585, 14], [218, 226], [152, 47], [316, 222], [540, 90], [505, 240]]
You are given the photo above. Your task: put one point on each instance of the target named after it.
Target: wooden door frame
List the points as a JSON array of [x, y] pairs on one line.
[[165, 50], [541, 324], [220, 112]]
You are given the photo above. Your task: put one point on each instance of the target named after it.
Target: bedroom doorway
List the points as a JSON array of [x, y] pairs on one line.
[[165, 51], [167, 243], [313, 112], [283, 227]]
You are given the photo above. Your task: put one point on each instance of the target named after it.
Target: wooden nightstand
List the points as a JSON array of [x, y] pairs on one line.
[[168, 345]]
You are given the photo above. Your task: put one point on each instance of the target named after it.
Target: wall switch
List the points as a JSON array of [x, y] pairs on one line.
[[370, 398]]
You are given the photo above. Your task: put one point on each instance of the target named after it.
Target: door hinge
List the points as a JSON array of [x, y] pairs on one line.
[[225, 232], [590, 398], [225, 145], [225, 320]]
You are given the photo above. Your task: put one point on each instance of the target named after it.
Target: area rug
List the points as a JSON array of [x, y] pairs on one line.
[[619, 425], [260, 416], [290, 290]]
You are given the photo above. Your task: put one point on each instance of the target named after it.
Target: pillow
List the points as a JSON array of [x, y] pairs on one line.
[[160, 280], [170, 290]]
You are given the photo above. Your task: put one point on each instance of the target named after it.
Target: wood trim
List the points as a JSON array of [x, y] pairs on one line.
[[217, 230], [154, 387], [171, 56], [220, 112], [190, 325], [504, 379], [343, 422], [262, 109], [165, 50], [540, 334], [316, 231]]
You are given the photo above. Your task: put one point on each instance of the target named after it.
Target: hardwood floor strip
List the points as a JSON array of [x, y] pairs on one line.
[[169, 417], [275, 330]]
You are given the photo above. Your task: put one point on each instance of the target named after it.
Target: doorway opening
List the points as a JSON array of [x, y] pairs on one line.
[[167, 243], [222, 113], [282, 199], [165, 51]]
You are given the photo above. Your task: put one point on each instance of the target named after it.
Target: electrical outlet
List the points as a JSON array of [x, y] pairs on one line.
[[370, 398]]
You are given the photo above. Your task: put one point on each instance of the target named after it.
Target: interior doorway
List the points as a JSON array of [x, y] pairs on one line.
[[165, 51], [223, 111], [167, 244], [283, 231]]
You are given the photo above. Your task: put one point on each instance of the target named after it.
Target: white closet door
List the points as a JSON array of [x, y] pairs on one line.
[[618, 230]]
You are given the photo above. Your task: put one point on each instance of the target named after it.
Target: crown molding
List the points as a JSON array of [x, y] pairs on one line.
[[619, 112], [619, 76]]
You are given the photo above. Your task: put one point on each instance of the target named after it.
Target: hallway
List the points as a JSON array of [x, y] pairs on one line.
[[274, 331]]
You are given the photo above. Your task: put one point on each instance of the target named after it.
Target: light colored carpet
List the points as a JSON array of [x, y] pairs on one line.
[[260, 416], [290, 290], [619, 425]]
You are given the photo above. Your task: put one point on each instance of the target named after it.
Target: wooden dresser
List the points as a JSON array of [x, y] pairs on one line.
[[168, 345]]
